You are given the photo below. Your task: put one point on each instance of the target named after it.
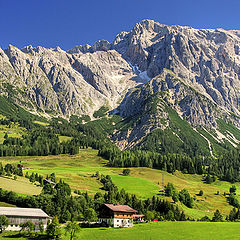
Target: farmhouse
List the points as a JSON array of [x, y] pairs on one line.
[[117, 215], [16, 216]]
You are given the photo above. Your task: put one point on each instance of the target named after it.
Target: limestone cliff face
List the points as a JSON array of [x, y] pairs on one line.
[[53, 80], [206, 59], [196, 72]]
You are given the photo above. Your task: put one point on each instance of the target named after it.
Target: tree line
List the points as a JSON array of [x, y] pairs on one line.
[[226, 167]]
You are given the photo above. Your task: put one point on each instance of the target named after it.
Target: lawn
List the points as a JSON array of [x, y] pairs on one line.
[[160, 230]]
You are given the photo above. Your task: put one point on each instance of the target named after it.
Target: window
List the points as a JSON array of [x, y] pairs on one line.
[[117, 220]]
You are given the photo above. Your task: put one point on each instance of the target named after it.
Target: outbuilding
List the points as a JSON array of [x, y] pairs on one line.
[[16, 216]]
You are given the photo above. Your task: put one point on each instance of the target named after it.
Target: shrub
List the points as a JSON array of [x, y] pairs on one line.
[[126, 172]]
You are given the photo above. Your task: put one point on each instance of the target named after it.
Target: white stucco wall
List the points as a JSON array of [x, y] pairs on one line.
[[122, 222], [117, 222]]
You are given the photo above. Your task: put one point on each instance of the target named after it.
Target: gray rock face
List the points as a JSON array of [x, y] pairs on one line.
[[206, 59], [61, 83], [194, 71]]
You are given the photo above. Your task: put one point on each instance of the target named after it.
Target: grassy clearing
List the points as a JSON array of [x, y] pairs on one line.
[[64, 138], [155, 231], [13, 130], [41, 123], [3, 204], [77, 171], [21, 185]]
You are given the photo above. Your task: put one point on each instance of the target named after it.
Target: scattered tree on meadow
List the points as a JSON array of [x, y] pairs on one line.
[[72, 228], [232, 189], [175, 197], [126, 172], [169, 190], [90, 215], [1, 169], [233, 200], [200, 193], [217, 216], [149, 216]]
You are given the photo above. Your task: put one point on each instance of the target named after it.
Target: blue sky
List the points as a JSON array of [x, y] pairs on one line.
[[67, 23]]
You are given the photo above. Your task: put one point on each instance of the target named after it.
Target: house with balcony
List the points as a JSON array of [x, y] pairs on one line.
[[116, 215]]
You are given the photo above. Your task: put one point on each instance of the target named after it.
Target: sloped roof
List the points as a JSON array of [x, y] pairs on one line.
[[138, 215], [49, 181], [23, 212], [120, 208]]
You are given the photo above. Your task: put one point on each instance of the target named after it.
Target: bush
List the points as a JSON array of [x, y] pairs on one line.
[[217, 217], [233, 189], [169, 190], [126, 172], [185, 198], [233, 201], [200, 193], [205, 219]]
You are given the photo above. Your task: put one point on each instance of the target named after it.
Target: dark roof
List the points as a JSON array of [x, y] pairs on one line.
[[120, 208]]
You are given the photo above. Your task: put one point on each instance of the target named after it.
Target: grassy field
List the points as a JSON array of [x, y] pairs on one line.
[[155, 231], [3, 204], [21, 185], [13, 130], [77, 171]]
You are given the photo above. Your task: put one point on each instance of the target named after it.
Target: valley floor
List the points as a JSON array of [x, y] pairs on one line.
[[156, 231]]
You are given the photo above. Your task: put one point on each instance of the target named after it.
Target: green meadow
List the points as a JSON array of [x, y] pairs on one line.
[[155, 231], [78, 170], [20, 185], [12, 130]]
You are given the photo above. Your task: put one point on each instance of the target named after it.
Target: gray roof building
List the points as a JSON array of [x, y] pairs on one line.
[[17, 216], [23, 212]]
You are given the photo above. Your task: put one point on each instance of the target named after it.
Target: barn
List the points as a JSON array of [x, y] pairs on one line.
[[16, 216]]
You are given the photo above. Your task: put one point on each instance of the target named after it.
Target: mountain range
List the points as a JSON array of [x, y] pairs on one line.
[[178, 82]]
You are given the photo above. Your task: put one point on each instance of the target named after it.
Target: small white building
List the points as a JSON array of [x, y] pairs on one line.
[[16, 216], [116, 215]]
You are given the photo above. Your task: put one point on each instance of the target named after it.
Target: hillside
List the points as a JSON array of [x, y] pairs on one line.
[[78, 170]]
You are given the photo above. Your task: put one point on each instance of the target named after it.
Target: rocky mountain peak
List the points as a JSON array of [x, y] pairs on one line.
[[207, 60]]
